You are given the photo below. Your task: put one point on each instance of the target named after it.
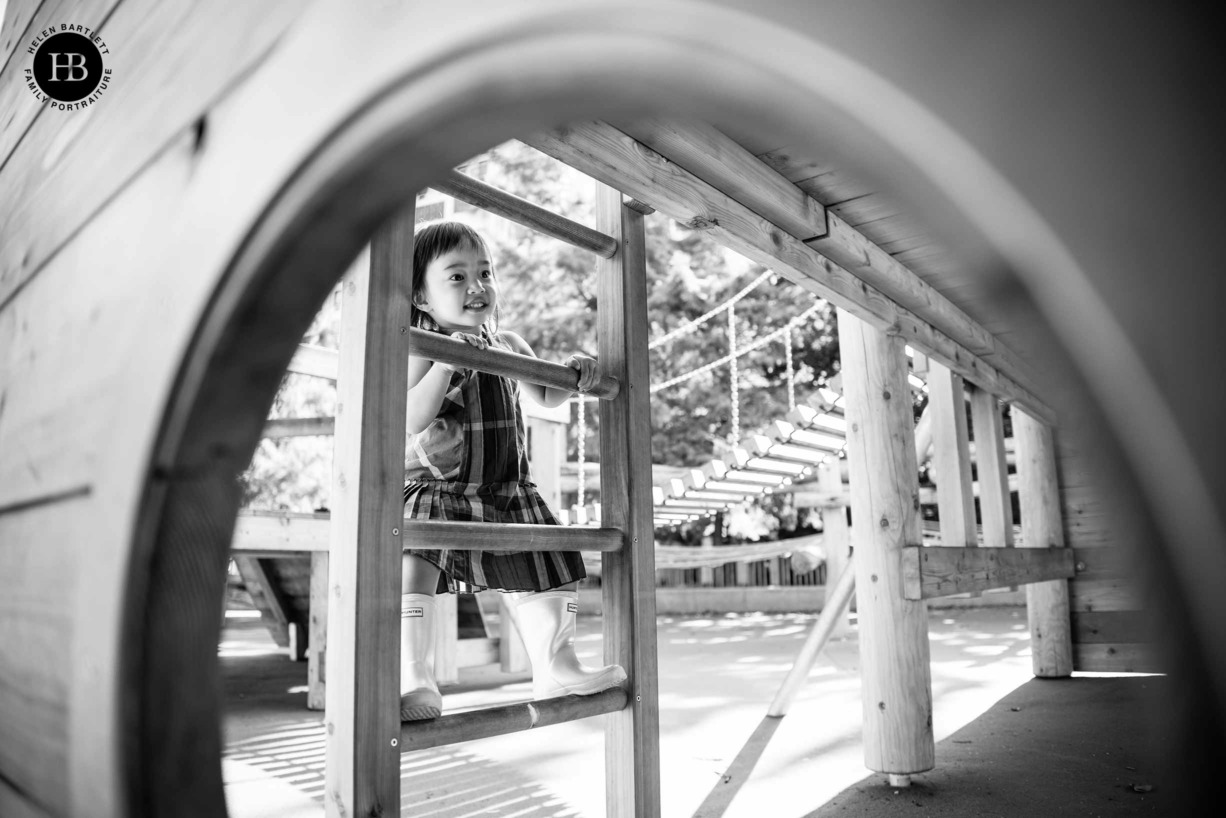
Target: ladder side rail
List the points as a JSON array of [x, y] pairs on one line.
[[632, 735]]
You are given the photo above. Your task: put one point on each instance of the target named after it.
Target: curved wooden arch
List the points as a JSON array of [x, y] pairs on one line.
[[358, 108]]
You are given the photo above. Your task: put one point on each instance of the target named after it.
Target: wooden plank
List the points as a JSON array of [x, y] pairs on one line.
[[317, 639], [951, 461], [1100, 563], [271, 532], [1047, 603], [1142, 657], [489, 198], [610, 156], [632, 736], [363, 771], [55, 180], [298, 427], [1109, 627], [725, 165], [936, 570], [315, 361], [265, 598], [454, 728], [512, 655], [882, 473], [446, 639], [24, 21], [995, 502], [37, 584], [1105, 595]]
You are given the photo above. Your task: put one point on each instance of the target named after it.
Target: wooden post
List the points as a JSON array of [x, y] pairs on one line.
[[995, 505], [894, 658], [632, 737], [951, 459], [317, 640], [835, 536], [1047, 603], [363, 726]]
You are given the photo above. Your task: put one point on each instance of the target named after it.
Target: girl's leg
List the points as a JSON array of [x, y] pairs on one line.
[[546, 622], [419, 696]]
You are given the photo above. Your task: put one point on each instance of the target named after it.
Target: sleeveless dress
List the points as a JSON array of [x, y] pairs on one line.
[[471, 464]]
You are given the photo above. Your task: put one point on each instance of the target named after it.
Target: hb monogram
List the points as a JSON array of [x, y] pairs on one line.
[[74, 62]]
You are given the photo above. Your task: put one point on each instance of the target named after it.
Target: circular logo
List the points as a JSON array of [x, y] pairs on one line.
[[67, 67]]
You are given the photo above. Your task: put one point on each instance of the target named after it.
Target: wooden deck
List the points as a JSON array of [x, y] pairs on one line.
[[717, 676]]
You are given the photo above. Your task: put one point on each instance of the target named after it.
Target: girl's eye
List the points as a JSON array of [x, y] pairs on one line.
[[487, 273]]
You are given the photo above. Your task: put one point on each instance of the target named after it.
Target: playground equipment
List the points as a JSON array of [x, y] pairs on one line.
[[163, 252]]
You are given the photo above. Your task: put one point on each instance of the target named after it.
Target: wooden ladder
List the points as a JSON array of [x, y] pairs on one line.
[[365, 738]]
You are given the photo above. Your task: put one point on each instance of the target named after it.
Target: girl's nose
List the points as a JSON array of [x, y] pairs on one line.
[[476, 287]]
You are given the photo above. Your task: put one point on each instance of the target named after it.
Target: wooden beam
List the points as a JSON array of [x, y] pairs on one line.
[[489, 198], [836, 533], [722, 163], [264, 595], [995, 501], [606, 154], [362, 716], [315, 361], [632, 735], [951, 460], [299, 427], [510, 718], [1047, 603], [936, 570], [894, 657], [271, 532]]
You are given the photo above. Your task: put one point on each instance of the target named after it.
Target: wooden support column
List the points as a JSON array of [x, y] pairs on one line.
[[951, 458], [894, 658], [512, 655], [835, 535], [446, 639], [632, 736], [317, 640], [995, 504], [1047, 603], [363, 724]]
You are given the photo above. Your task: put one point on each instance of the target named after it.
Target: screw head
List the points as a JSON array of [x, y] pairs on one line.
[[395, 532]]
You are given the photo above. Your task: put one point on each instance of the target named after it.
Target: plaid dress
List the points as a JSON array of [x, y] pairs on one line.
[[471, 464]]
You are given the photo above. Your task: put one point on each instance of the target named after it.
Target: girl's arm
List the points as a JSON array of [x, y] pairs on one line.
[[428, 382], [589, 374]]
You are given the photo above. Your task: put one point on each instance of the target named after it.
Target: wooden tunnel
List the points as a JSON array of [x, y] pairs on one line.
[[1039, 224]]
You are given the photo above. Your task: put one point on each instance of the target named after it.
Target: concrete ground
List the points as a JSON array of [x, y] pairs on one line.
[[1007, 744]]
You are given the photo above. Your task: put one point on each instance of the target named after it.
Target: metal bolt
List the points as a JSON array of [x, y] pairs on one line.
[[885, 523], [886, 394], [403, 330], [395, 532], [395, 742]]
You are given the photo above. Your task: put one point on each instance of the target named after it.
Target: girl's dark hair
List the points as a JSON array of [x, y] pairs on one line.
[[431, 242]]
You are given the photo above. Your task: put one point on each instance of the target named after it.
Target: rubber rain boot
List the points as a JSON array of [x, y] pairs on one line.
[[419, 696], [546, 622]]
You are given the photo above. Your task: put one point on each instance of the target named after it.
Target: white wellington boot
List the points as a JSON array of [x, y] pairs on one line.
[[546, 622], [419, 696]]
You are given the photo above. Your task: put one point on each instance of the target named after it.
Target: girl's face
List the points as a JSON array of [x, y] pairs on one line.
[[458, 290]]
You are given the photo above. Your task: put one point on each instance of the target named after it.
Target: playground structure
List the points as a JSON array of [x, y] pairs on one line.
[[120, 452]]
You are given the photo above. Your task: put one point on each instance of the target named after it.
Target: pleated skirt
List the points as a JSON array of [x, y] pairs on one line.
[[470, 571]]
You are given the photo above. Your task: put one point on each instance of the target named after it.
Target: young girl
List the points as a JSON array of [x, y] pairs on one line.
[[467, 461]]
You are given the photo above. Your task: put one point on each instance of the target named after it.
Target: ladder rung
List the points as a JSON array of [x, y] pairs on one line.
[[459, 536], [509, 718], [439, 347]]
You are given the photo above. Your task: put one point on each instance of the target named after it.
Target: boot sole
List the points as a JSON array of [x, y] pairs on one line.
[[416, 707], [596, 685]]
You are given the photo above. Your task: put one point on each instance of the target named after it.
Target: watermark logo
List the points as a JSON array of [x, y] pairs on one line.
[[69, 68]]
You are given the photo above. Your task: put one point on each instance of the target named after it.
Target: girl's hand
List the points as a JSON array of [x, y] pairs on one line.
[[471, 339], [588, 369]]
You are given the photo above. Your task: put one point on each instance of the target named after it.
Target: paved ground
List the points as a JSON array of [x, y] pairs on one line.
[[1072, 747]]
